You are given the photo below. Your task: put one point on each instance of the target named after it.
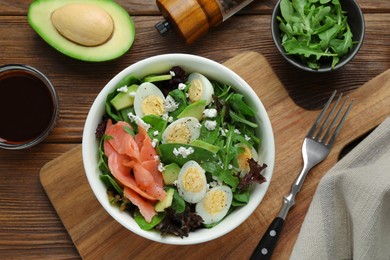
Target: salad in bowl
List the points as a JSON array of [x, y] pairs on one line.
[[178, 149]]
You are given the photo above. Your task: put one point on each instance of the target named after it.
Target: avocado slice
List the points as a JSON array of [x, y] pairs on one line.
[[170, 173], [166, 202], [122, 37], [123, 99], [156, 78], [194, 110]]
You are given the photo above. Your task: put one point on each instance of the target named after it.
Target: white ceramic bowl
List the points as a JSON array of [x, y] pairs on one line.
[[213, 70]]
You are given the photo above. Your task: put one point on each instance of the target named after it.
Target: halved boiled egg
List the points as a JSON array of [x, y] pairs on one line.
[[148, 100], [242, 158], [191, 182], [215, 204], [200, 88], [183, 130]]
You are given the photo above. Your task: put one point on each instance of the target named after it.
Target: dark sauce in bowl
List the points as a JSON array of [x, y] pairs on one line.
[[28, 106]]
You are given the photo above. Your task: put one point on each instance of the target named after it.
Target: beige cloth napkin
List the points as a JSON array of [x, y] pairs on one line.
[[349, 217]]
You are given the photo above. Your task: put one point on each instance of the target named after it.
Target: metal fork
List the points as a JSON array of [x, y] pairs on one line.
[[316, 147]]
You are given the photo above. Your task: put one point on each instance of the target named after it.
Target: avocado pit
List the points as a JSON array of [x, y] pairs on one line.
[[83, 24]]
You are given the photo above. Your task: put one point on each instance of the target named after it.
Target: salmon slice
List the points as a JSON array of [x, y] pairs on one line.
[[116, 163], [147, 151], [146, 181], [153, 188], [146, 208], [108, 149], [121, 140], [152, 167]]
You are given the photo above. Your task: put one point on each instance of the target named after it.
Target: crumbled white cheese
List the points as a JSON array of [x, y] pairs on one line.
[[230, 166], [211, 113], [210, 125], [138, 121], [184, 152], [155, 133], [156, 157], [154, 142], [170, 119], [181, 86], [223, 131], [132, 94], [170, 104], [213, 184], [122, 89], [161, 167], [247, 138], [172, 73], [236, 131], [165, 116]]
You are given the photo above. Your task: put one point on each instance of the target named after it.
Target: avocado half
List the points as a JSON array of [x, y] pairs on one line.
[[122, 38]]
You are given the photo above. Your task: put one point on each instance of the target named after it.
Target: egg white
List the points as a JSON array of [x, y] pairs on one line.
[[215, 204], [200, 88], [144, 91], [184, 126], [191, 182]]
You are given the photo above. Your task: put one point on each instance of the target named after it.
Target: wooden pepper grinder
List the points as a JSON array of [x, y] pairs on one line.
[[191, 19]]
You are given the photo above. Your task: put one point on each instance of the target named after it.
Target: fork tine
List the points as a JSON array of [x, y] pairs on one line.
[[319, 118], [325, 137], [325, 123], [336, 132]]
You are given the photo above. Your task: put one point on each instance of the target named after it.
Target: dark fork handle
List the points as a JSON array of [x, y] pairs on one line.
[[268, 242]]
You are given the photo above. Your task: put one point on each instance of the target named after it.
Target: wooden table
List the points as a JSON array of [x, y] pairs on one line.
[[29, 226]]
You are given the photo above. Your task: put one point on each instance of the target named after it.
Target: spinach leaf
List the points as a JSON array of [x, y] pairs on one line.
[[156, 123], [145, 225], [178, 203], [179, 98], [111, 183], [241, 198]]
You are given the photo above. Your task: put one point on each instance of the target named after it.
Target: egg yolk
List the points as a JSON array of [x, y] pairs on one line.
[[179, 134], [195, 91], [242, 159], [215, 201], [152, 105], [193, 181]]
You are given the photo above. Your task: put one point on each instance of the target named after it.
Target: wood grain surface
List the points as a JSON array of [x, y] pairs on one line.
[[29, 225], [97, 235]]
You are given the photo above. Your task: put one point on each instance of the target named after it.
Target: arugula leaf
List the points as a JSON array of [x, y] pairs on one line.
[[238, 105], [293, 46], [316, 31]]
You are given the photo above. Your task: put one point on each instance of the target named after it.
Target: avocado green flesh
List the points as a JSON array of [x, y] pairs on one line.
[[170, 173], [39, 18], [194, 110], [166, 202], [123, 99]]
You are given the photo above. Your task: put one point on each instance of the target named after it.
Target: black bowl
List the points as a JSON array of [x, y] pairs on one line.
[[355, 21]]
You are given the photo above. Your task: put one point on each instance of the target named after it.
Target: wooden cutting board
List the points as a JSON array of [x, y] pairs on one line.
[[96, 235]]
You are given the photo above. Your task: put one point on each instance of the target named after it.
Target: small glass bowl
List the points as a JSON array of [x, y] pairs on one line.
[[20, 70]]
